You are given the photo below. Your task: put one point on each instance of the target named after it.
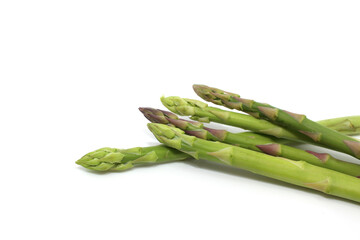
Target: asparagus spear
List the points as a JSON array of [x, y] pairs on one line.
[[252, 141], [313, 131], [346, 125], [200, 111], [295, 172], [113, 159]]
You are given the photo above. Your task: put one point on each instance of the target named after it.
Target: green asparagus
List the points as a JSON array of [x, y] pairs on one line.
[[113, 159], [200, 111], [299, 123], [346, 125], [295, 172], [252, 141]]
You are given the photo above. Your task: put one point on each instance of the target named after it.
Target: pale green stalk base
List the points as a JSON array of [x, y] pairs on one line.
[[295, 172]]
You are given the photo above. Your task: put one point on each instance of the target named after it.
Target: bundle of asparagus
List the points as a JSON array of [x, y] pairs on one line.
[[263, 150]]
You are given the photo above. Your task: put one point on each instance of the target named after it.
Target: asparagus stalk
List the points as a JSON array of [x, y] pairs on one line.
[[295, 172], [299, 123], [113, 159], [252, 141], [346, 125]]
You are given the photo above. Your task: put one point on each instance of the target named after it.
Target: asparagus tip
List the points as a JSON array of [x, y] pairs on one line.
[[101, 160]]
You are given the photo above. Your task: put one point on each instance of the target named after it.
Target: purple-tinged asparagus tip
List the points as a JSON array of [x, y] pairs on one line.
[[199, 88], [153, 115], [157, 115], [203, 92], [148, 110]]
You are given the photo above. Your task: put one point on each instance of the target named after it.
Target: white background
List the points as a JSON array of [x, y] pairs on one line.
[[73, 74]]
